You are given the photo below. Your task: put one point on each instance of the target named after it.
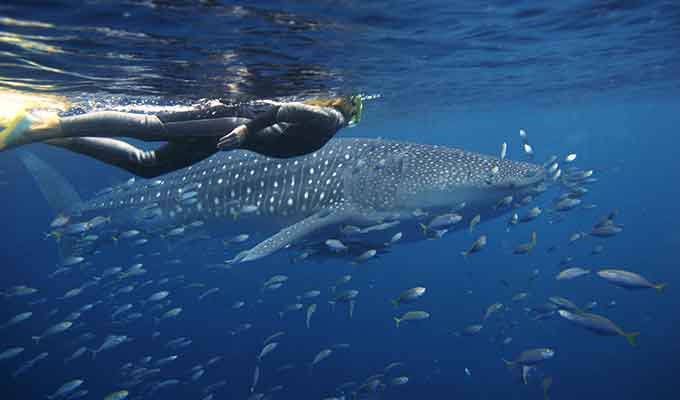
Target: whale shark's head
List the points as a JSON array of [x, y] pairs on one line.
[[410, 176], [442, 177]]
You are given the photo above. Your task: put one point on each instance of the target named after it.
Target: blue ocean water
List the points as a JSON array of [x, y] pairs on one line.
[[598, 79]]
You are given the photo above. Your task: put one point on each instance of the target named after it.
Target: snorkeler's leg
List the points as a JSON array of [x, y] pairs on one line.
[[148, 128], [29, 128], [143, 163], [111, 151]]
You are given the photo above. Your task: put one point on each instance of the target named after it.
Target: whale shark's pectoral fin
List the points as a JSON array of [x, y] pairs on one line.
[[293, 233]]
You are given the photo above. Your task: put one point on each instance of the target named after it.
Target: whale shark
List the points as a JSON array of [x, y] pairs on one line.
[[358, 191]]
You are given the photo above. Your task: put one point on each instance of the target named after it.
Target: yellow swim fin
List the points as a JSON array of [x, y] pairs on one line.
[[15, 129]]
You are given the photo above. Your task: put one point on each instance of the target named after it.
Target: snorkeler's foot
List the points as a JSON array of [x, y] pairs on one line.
[[26, 128], [15, 131], [233, 139]]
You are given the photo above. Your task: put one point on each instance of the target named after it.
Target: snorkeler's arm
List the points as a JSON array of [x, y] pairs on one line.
[[297, 113], [284, 126], [304, 114], [263, 120]]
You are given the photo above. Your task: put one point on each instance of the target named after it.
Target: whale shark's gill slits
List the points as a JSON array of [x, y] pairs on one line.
[[337, 191], [301, 190], [313, 186], [374, 182], [245, 183], [326, 182], [211, 189], [292, 191], [216, 200], [271, 189], [281, 184]]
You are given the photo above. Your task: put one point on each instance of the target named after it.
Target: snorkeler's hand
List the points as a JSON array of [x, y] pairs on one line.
[[233, 139]]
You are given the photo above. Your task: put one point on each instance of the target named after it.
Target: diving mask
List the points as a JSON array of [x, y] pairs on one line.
[[357, 108]]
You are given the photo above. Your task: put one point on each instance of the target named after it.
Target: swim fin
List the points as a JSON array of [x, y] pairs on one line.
[[15, 130], [25, 128]]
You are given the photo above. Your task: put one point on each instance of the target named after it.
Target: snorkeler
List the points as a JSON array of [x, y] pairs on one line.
[[281, 130]]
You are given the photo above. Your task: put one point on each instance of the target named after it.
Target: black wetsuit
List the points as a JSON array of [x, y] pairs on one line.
[[282, 131]]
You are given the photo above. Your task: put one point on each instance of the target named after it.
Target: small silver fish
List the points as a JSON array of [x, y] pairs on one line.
[[504, 202], [477, 246], [53, 330], [237, 305], [72, 260], [441, 222], [474, 221], [336, 246], [17, 319], [531, 214], [268, 348], [571, 273], [567, 204], [11, 353], [366, 255], [322, 355], [66, 388], [409, 296], [629, 280], [514, 219], [598, 324], [395, 238], [411, 316], [310, 311], [492, 309], [256, 378], [208, 293], [238, 239], [470, 330]]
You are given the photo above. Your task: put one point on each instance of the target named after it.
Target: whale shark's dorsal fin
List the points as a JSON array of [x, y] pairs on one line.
[[295, 232]]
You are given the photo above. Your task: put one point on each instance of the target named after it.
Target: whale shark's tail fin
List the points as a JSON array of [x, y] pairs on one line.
[[58, 192]]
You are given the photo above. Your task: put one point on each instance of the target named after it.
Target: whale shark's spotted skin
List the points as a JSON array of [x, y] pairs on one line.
[[348, 179]]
